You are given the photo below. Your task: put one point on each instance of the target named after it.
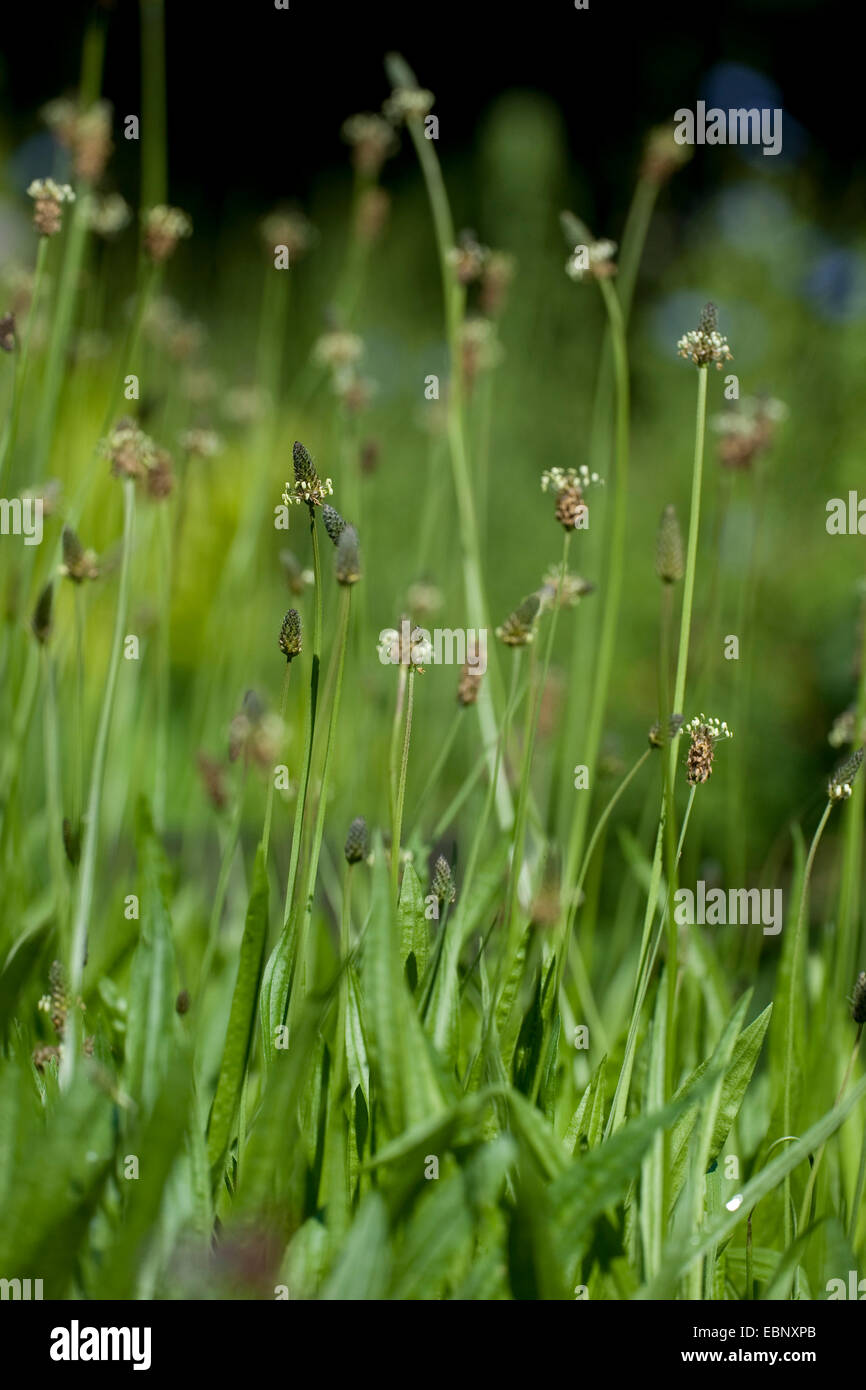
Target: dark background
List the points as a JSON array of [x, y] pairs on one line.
[[257, 95]]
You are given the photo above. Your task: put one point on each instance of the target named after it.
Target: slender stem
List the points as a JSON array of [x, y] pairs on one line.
[[78, 718], [54, 792], [813, 1172], [645, 968], [613, 582], [489, 701], [87, 871], [396, 726], [791, 1023], [401, 788], [532, 711], [226, 863], [269, 803], [478, 838], [163, 674], [309, 723], [692, 549], [319, 830], [10, 435]]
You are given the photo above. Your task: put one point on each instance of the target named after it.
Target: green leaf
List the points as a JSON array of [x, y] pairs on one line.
[[240, 1032], [599, 1179], [384, 993], [151, 1019], [683, 1251], [414, 927], [738, 1074], [364, 1265]]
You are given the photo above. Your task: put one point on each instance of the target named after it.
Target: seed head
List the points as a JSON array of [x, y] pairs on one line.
[[49, 198], [308, 486], [357, 841], [839, 787], [45, 1054], [71, 841], [663, 156], [59, 998], [338, 350], [348, 563], [78, 564], [211, 773], [469, 685], [109, 215], [131, 451], [468, 258], [858, 999], [7, 333], [373, 141], [163, 229], [518, 630], [705, 344], [496, 278], [670, 566], [43, 620], [290, 635], [705, 732], [747, 431], [290, 228], [159, 479], [407, 104], [334, 523], [569, 485], [297, 577], [560, 590], [443, 881], [86, 134], [201, 443], [675, 726], [255, 733]]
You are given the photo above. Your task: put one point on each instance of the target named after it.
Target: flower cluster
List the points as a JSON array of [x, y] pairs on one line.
[[78, 564], [49, 198], [86, 134], [373, 141], [839, 787], [108, 215], [290, 228], [748, 431], [569, 485], [705, 344], [308, 486], [675, 727], [408, 103], [518, 630], [560, 590], [163, 229], [705, 732], [468, 258]]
